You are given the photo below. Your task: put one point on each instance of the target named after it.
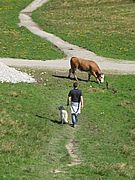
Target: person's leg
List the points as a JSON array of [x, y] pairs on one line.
[[77, 118], [74, 119]]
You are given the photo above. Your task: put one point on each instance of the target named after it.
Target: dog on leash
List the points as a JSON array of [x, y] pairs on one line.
[[63, 115]]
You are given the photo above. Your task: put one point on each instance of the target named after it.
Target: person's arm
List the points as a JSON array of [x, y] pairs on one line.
[[68, 100], [82, 102]]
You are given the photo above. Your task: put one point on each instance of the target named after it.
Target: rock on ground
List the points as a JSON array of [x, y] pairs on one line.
[[8, 74]]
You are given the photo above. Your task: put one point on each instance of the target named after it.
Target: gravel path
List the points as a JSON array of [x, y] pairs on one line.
[[106, 64]]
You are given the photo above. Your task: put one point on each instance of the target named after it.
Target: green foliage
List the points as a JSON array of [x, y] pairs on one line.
[[17, 42], [104, 27], [33, 142]]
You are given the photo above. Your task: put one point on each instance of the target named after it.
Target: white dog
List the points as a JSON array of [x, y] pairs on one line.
[[63, 115]]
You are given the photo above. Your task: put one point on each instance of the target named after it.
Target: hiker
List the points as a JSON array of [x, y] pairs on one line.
[[75, 99]]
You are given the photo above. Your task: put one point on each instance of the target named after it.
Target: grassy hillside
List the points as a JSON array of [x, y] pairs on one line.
[[33, 142], [104, 27], [18, 42]]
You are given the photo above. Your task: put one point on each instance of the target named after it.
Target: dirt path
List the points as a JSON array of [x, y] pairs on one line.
[[106, 64], [75, 159]]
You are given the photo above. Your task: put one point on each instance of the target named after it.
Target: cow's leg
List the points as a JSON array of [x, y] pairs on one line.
[[69, 74], [89, 76], [98, 81], [94, 74], [75, 76]]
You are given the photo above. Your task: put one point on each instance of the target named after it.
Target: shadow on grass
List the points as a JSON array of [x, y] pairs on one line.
[[44, 117], [52, 120], [63, 77], [71, 78]]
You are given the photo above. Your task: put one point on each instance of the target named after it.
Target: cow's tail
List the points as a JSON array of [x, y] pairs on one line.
[[70, 70], [72, 63], [71, 60]]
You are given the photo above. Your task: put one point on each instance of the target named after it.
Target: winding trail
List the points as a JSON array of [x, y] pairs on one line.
[[106, 64]]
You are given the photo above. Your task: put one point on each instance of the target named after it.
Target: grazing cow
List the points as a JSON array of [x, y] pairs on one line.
[[86, 65]]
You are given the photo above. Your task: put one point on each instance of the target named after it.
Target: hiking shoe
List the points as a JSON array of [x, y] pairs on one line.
[[73, 125]]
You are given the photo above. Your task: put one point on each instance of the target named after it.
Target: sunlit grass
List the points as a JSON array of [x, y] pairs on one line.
[[18, 42], [104, 27], [33, 142]]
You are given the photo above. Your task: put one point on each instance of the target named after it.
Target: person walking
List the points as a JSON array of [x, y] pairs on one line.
[[75, 99]]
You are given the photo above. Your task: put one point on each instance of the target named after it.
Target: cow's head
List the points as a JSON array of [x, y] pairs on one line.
[[101, 77]]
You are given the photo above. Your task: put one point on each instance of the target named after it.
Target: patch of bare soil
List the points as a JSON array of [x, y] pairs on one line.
[[75, 160]]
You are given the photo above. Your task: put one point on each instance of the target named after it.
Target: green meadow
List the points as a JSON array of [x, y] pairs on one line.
[[33, 140], [18, 42], [106, 27]]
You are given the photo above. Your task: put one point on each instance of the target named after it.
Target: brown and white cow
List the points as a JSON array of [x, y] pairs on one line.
[[86, 65]]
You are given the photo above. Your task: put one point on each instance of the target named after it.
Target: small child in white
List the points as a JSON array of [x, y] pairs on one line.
[[63, 115]]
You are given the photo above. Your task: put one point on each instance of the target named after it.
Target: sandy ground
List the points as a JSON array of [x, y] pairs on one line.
[[106, 64]]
